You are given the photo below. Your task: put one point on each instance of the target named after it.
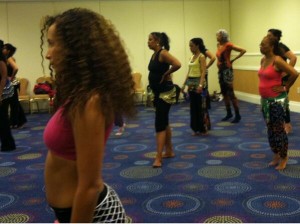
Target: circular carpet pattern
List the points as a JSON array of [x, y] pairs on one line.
[[129, 148], [230, 139], [140, 172], [285, 187], [177, 125], [178, 177], [294, 153], [4, 164], [223, 154], [254, 146], [222, 202], [23, 177], [22, 136], [256, 165], [291, 171], [273, 205], [19, 149], [108, 166], [258, 155], [15, 218], [25, 187], [219, 172], [214, 162], [29, 156], [144, 187], [180, 165], [222, 133], [6, 200], [6, 171], [191, 147], [233, 187], [36, 166], [188, 156], [194, 187], [262, 177], [173, 204], [223, 219], [142, 162]]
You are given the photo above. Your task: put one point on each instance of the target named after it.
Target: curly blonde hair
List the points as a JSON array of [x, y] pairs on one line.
[[93, 61]]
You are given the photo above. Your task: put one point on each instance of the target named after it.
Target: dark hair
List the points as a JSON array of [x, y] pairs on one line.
[[277, 33], [199, 42], [273, 41], [92, 61], [12, 49], [163, 39]]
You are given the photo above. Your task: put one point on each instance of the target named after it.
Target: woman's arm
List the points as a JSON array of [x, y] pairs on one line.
[[292, 58], [3, 75], [203, 71], [238, 49], [89, 132], [184, 83], [281, 65], [12, 63], [174, 63], [211, 57]]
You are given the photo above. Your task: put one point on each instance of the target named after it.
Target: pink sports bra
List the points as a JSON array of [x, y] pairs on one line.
[[58, 136]]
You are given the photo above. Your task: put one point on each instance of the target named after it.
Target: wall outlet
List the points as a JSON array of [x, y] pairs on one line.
[[298, 89]]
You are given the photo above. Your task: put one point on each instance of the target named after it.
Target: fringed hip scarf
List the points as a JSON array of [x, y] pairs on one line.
[[266, 103], [169, 96]]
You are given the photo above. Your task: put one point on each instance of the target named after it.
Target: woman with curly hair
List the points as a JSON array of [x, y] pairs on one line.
[[93, 81]]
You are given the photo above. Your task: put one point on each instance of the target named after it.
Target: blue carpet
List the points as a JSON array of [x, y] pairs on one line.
[[219, 178]]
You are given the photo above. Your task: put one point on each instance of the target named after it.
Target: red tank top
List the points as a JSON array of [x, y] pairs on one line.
[[268, 78], [58, 136]]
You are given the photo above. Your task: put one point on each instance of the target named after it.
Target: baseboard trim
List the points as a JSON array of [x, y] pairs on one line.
[[252, 98]]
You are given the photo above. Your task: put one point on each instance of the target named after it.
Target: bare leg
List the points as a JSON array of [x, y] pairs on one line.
[[282, 164], [160, 144], [275, 160], [169, 147]]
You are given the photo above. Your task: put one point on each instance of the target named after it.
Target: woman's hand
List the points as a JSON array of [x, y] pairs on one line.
[[166, 77], [279, 89], [199, 89]]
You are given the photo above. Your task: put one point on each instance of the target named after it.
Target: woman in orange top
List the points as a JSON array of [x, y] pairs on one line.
[[224, 64]]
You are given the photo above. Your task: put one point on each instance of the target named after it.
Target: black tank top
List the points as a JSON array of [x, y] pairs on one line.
[[156, 71]]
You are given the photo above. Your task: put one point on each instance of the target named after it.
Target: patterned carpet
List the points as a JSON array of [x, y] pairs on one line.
[[220, 178]]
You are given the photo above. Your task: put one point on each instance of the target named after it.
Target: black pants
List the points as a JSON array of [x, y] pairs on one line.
[[17, 115], [7, 140], [197, 112], [162, 110]]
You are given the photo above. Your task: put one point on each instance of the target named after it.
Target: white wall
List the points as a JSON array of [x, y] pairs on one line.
[[135, 19], [251, 19], [246, 20]]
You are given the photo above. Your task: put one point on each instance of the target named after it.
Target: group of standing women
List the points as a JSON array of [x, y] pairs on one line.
[[163, 64], [276, 76]]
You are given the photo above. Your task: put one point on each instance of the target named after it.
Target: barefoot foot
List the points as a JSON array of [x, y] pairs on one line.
[[157, 163], [275, 160], [282, 164]]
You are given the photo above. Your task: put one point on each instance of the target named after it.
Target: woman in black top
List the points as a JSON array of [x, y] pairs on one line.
[[17, 115], [286, 54], [7, 140], [161, 66]]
